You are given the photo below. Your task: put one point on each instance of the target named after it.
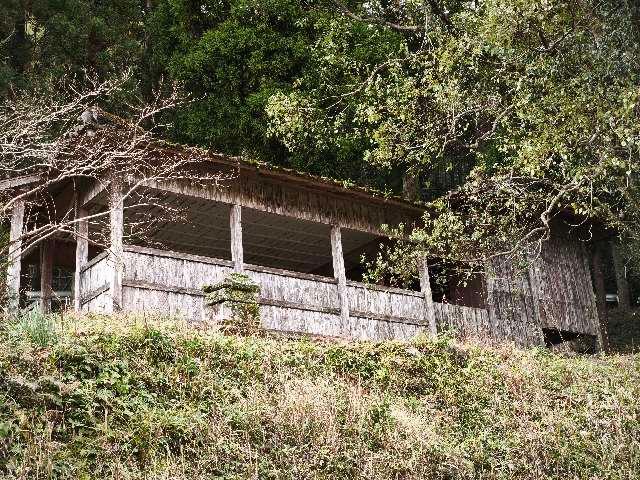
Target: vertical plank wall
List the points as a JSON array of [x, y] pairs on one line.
[[555, 292]]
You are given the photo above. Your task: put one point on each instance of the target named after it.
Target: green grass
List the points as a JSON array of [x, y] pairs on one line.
[[116, 398]]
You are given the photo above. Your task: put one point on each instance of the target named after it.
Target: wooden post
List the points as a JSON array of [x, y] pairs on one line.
[[15, 256], [425, 288], [622, 283], [410, 187], [339, 273], [82, 254], [46, 275], [116, 250], [235, 222], [601, 296]]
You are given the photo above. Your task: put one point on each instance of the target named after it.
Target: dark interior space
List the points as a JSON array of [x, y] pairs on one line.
[[571, 341]]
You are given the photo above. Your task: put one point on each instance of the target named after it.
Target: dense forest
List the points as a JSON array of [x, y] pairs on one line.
[[499, 112]]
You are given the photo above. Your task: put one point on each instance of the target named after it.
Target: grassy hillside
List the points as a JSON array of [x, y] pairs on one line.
[[112, 398]]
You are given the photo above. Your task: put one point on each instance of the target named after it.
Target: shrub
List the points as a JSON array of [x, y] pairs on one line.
[[240, 293], [35, 327], [118, 398]]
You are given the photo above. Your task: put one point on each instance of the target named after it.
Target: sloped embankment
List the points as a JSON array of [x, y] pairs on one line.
[[106, 398]]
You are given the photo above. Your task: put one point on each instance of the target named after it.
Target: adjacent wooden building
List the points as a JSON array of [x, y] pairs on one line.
[[300, 238]]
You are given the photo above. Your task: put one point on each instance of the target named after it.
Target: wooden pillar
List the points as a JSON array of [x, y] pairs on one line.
[[116, 250], [82, 254], [410, 187], [46, 275], [237, 253], [339, 274], [425, 288], [622, 284], [601, 295], [15, 256]]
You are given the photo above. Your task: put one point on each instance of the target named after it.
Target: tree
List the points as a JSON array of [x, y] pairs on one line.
[[542, 97], [64, 140], [44, 40]]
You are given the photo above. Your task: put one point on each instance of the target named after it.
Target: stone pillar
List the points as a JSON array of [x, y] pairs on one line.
[[339, 274], [237, 253], [14, 263]]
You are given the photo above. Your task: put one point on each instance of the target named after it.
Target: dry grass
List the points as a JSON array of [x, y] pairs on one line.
[[130, 398]]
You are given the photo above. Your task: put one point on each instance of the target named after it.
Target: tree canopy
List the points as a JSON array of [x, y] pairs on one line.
[[528, 108]]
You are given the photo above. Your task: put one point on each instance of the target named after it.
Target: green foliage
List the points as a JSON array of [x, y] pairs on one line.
[[540, 96], [35, 327], [240, 293], [117, 398], [232, 57]]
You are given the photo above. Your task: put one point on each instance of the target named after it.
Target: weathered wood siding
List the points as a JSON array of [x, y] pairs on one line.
[[169, 283], [94, 285], [385, 303], [305, 290], [562, 284], [466, 322], [555, 292]]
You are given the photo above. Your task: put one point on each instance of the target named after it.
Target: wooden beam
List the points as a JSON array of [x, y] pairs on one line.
[[425, 288], [15, 256], [600, 294], [116, 250], [91, 192], [340, 275], [19, 181], [82, 254], [235, 222], [326, 208], [46, 274]]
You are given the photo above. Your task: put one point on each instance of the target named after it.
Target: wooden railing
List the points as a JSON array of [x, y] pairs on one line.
[[171, 283]]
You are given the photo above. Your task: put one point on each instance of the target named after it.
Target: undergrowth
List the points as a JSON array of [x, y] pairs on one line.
[[134, 398]]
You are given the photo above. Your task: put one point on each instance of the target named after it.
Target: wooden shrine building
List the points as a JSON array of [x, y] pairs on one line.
[[299, 237]]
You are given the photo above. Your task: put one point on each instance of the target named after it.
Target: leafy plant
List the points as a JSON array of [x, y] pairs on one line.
[[37, 328], [240, 293], [140, 398]]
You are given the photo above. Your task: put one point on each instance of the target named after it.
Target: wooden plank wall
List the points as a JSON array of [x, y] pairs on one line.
[[170, 283], [564, 288], [94, 285], [466, 322], [555, 292]]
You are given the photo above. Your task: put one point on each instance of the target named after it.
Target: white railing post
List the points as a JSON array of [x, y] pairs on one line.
[[82, 254], [46, 274], [235, 223], [116, 247]]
